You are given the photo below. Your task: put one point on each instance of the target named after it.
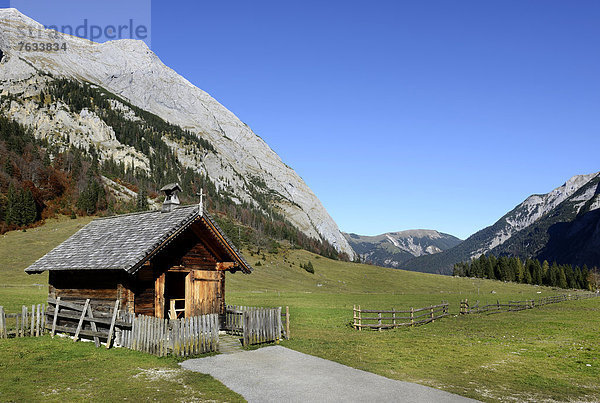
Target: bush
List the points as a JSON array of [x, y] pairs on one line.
[[308, 267]]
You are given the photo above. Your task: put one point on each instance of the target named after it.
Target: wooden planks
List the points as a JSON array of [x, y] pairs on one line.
[[80, 324], [159, 296], [182, 337], [279, 322], [112, 324], [3, 332], [26, 323], [391, 319], [261, 325]]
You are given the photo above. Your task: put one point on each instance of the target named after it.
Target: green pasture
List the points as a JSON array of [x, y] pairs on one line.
[[550, 353]]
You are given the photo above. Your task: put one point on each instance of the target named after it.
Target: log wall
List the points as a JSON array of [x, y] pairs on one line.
[[144, 292], [102, 287]]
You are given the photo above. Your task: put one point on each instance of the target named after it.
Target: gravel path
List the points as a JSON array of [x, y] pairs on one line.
[[278, 374]]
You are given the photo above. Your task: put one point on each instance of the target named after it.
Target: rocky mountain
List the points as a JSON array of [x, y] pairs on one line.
[[562, 225], [395, 248], [126, 88]]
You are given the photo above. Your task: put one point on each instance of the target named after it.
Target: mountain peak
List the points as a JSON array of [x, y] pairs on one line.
[[540, 221], [392, 249], [242, 164]]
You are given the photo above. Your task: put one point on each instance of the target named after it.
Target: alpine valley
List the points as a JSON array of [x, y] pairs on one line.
[[562, 226], [144, 125], [393, 249]]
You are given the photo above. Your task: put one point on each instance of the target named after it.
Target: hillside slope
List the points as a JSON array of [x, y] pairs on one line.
[[239, 162], [392, 249], [561, 225]]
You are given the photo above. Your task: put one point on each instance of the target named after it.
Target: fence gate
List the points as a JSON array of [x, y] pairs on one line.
[[257, 325], [179, 337]]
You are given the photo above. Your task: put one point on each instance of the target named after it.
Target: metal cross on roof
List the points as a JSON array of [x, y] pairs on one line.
[[200, 207]]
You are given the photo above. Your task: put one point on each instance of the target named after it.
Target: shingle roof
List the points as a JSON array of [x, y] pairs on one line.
[[123, 242]]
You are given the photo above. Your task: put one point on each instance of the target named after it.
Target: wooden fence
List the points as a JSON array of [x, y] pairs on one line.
[[465, 308], [80, 320], [395, 318], [257, 325], [26, 323], [179, 337], [511, 306], [262, 326]]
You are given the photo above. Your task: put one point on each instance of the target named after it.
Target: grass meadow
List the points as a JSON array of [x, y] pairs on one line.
[[550, 353]]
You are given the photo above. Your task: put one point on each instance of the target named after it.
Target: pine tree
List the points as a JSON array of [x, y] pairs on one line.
[[546, 273], [520, 271], [562, 278], [503, 272], [91, 196], [536, 273], [578, 278], [142, 200], [29, 209], [527, 278], [585, 275], [14, 208]]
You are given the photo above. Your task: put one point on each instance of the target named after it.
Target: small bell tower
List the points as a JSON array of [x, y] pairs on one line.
[[171, 199]]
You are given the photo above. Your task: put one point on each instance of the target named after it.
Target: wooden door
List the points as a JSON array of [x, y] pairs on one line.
[[159, 296], [202, 292]]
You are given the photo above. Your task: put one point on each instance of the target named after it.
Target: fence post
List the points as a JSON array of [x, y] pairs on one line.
[[359, 319], [83, 313], [245, 321], [431, 310], [412, 316], [44, 319], [112, 324], [93, 326], [379, 321], [23, 320], [32, 328], [56, 307], [394, 318], [354, 316], [287, 322], [2, 323], [37, 321]]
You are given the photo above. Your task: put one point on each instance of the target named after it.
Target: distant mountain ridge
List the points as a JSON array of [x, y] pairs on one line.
[[562, 225], [392, 249]]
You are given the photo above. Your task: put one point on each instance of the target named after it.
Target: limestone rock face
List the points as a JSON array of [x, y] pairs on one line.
[[130, 70], [537, 206], [562, 225]]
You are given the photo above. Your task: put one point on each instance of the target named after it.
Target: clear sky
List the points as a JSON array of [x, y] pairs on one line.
[[403, 114]]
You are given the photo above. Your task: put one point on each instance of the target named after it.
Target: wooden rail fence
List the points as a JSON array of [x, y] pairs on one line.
[[180, 337], [80, 320], [395, 318], [511, 306], [26, 323], [257, 325]]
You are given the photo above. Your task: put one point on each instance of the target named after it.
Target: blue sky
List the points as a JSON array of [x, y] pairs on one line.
[[402, 114]]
